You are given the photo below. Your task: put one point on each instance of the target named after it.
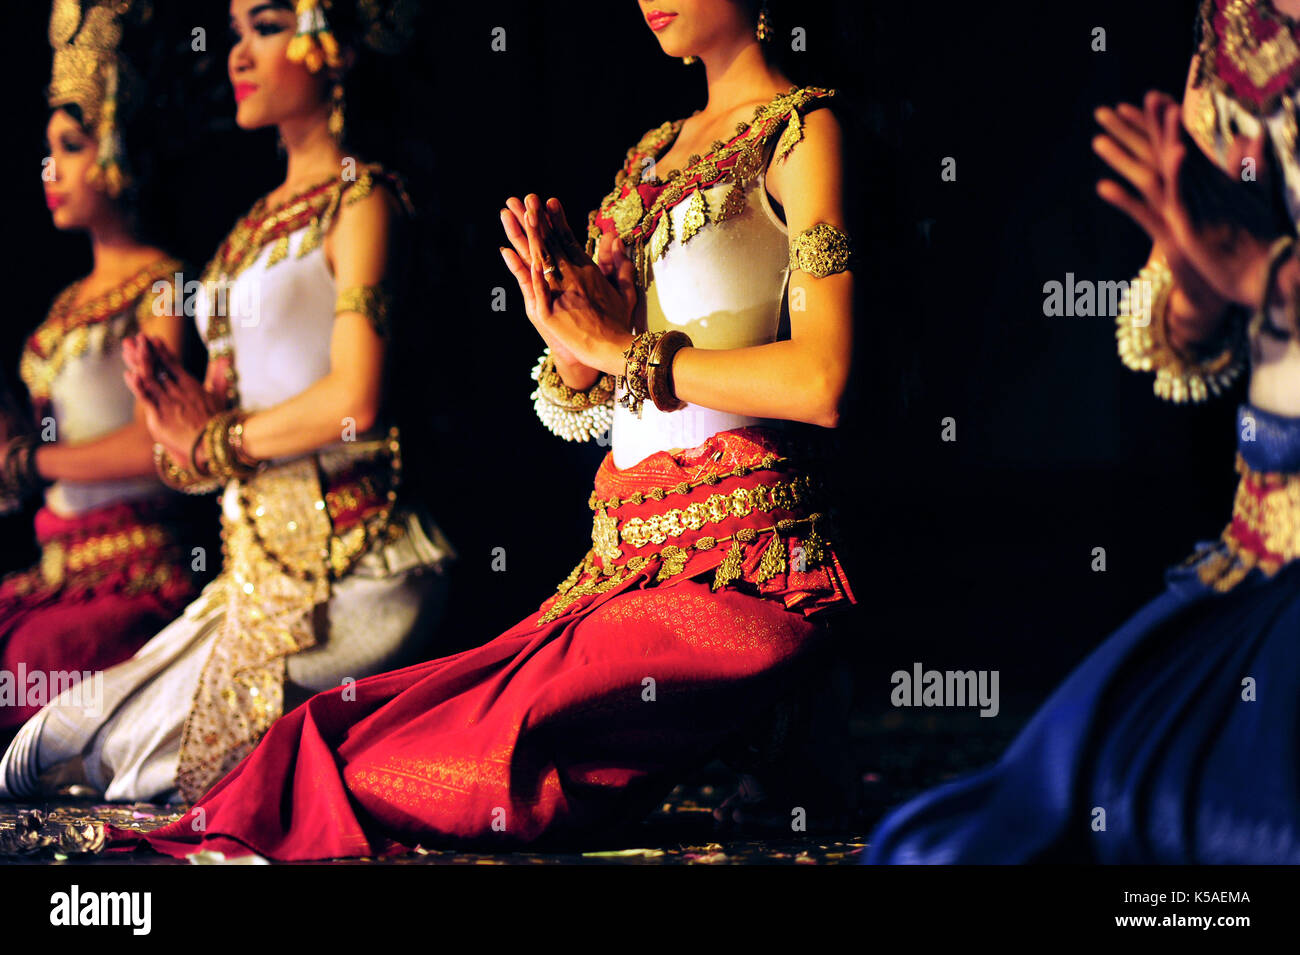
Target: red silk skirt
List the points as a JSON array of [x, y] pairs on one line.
[[585, 713], [107, 581]]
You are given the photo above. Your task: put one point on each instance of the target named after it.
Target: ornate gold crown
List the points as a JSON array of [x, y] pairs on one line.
[[86, 73], [85, 51]]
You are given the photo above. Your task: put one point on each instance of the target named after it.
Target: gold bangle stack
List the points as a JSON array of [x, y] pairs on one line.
[[180, 478], [636, 369], [659, 378], [223, 439], [567, 412]]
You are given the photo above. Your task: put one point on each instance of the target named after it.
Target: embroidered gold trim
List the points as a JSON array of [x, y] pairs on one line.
[[101, 555], [590, 578], [1261, 61], [1273, 517], [146, 579], [792, 136], [821, 250], [268, 615], [713, 509], [1143, 339], [685, 487]]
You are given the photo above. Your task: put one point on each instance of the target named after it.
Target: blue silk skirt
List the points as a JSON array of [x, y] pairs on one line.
[[1158, 748]]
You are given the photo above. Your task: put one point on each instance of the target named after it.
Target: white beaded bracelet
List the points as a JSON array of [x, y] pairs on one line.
[[572, 425]]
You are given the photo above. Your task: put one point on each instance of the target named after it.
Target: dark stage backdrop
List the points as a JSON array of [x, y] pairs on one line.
[[968, 554]]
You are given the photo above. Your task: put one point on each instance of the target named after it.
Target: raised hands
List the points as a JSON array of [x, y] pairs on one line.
[[1213, 263], [582, 308], [177, 405]]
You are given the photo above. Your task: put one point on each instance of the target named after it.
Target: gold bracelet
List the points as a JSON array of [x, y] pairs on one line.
[[178, 478], [372, 301], [1142, 332], [659, 379], [210, 444], [821, 250], [236, 436], [633, 379], [194, 453], [557, 392]]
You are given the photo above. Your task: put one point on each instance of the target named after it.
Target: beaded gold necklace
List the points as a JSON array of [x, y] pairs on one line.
[[637, 207], [65, 332]]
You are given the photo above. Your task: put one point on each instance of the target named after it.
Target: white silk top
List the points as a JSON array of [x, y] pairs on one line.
[[88, 400], [73, 368], [281, 318], [725, 289], [713, 257]]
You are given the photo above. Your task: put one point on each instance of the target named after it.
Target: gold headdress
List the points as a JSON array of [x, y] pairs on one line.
[[87, 73], [381, 25]]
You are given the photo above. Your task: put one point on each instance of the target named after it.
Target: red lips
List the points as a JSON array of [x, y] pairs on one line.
[[658, 19], [244, 90], [53, 202]]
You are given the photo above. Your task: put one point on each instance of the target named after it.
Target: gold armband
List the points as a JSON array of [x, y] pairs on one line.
[[1143, 335], [821, 251], [372, 301], [571, 414]]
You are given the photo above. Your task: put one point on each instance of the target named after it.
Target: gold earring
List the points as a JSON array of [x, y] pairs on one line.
[[336, 112], [688, 60], [764, 29]]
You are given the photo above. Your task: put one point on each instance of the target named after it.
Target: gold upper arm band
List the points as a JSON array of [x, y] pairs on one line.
[[821, 250], [372, 301]]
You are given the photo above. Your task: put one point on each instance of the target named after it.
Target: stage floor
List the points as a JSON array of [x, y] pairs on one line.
[[900, 752]]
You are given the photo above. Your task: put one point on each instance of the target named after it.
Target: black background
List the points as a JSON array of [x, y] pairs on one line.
[[973, 554]]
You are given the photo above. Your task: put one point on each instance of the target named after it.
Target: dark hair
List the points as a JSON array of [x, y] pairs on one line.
[[385, 93]]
